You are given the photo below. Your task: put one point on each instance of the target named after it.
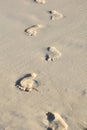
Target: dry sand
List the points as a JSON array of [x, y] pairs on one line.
[[63, 82]]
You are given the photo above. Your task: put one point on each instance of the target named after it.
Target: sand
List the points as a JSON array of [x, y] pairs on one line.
[[63, 82]]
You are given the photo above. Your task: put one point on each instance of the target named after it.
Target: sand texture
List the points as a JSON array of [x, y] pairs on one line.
[[43, 64]]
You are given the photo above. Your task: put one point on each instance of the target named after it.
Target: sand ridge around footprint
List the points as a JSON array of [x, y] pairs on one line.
[[55, 15], [52, 54], [32, 31], [40, 1], [56, 122], [28, 83]]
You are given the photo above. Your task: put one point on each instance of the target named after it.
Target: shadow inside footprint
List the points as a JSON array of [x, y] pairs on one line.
[[47, 57], [50, 116], [33, 26], [19, 80], [49, 128]]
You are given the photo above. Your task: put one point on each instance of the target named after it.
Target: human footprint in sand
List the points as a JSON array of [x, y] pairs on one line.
[[56, 122], [52, 54], [55, 15], [32, 31], [28, 83]]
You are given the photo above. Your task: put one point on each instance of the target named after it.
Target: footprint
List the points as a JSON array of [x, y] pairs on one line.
[[40, 1], [28, 83], [55, 15], [32, 31], [56, 122], [52, 54]]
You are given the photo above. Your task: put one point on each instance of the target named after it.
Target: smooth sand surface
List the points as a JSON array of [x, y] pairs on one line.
[[63, 82]]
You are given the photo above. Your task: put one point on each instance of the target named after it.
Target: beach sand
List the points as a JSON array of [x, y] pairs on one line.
[[63, 82]]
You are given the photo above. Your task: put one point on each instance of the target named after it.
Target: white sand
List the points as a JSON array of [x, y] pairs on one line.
[[63, 82]]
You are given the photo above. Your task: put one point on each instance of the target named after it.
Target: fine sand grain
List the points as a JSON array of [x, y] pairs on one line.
[[29, 30]]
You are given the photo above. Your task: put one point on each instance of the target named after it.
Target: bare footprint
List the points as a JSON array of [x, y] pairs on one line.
[[32, 31], [28, 83], [56, 122], [52, 54], [40, 1], [55, 15]]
